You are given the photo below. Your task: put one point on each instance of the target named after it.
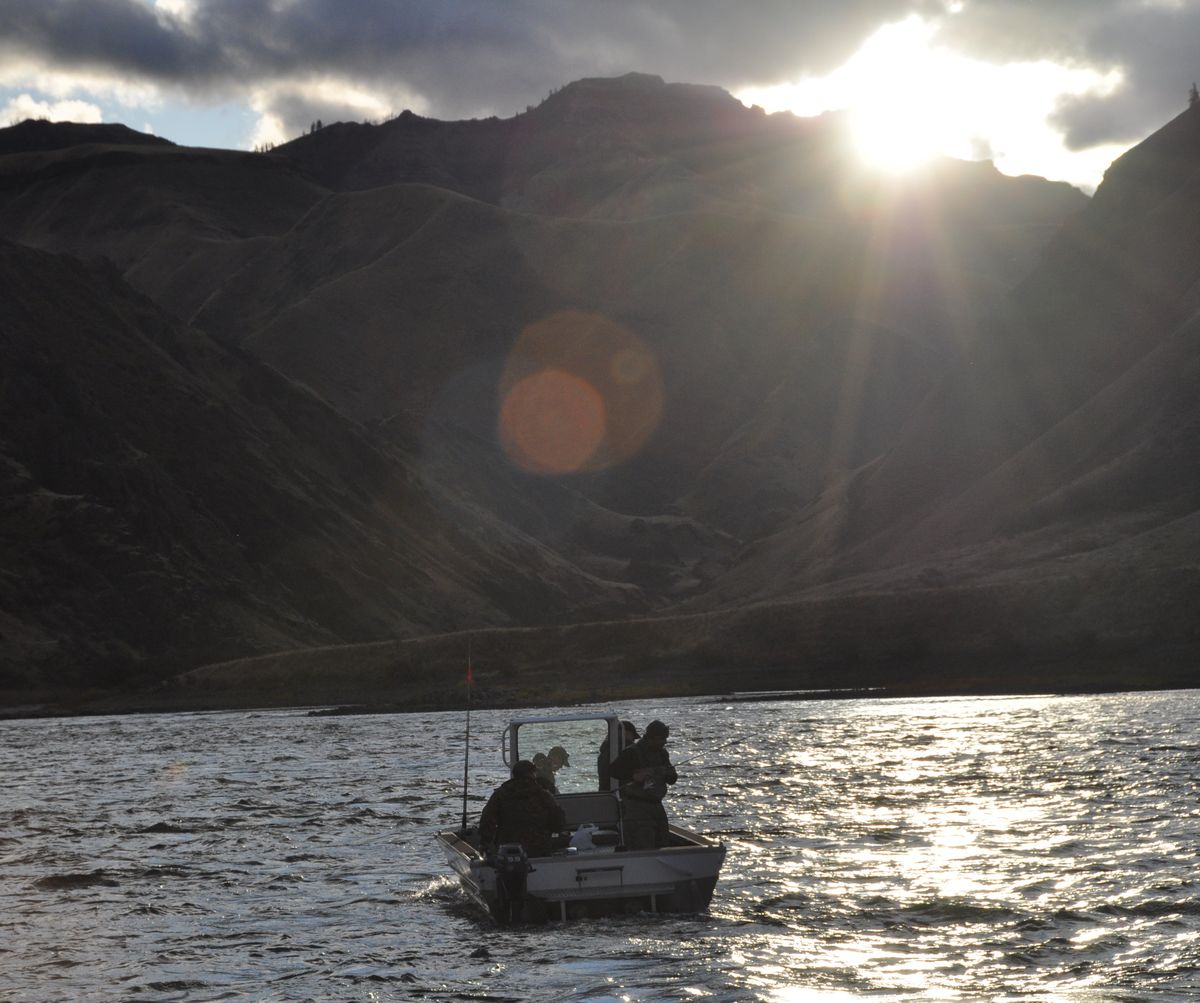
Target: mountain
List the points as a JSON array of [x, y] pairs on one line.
[[168, 500], [176, 221], [1058, 461], [641, 361], [634, 146], [35, 135]]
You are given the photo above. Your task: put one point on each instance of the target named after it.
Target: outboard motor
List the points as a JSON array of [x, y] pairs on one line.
[[512, 866]]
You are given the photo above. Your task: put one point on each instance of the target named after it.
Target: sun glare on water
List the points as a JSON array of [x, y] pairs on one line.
[[910, 100]]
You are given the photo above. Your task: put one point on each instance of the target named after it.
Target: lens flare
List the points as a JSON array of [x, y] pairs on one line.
[[579, 393], [552, 422]]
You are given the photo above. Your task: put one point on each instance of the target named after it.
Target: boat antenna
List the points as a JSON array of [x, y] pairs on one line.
[[467, 743]]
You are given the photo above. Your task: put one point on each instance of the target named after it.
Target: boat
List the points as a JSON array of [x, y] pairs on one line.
[[589, 872]]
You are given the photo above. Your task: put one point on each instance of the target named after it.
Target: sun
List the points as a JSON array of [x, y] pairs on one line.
[[895, 139], [899, 92], [904, 97], [909, 99], [905, 109]]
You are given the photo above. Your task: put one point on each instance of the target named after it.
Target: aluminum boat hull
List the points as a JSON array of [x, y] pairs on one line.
[[679, 878]]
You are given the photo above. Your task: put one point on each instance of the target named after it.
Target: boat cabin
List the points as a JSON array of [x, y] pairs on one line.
[[572, 752]]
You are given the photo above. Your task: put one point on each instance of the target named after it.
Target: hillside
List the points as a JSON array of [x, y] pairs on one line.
[[34, 135], [641, 375], [169, 501]]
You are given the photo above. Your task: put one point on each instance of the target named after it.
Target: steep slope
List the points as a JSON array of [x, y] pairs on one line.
[[421, 317], [767, 331], [176, 221], [1064, 450], [1086, 368], [1121, 459], [168, 501]]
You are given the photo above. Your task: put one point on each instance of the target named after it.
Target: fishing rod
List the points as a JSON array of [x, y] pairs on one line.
[[467, 743], [720, 748]]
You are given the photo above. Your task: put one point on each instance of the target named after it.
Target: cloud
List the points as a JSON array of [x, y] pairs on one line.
[[183, 10], [1156, 43], [24, 106], [288, 109], [1150, 43], [299, 60], [1021, 31], [464, 56], [60, 83]]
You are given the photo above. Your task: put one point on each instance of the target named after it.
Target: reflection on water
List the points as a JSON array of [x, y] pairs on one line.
[[998, 848]]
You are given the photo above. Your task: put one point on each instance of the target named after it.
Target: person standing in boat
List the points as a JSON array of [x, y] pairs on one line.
[[644, 772], [604, 759], [545, 775], [548, 764], [521, 811]]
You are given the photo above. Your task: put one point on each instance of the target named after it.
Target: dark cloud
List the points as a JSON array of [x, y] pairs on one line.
[[1024, 30], [99, 34], [464, 58], [1157, 50], [298, 111], [1154, 46]]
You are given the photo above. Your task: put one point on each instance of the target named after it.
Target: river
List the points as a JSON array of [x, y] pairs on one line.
[[1002, 848]]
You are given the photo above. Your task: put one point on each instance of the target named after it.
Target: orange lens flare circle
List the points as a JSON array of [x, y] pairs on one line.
[[579, 393], [552, 422]]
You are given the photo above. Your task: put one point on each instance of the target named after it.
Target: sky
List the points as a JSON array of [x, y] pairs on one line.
[[1057, 88]]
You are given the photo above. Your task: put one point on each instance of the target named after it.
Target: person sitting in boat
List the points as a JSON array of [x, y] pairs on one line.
[[604, 759], [521, 811], [644, 772]]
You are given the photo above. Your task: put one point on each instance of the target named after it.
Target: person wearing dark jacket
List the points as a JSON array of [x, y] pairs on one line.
[[644, 772], [604, 758], [521, 811]]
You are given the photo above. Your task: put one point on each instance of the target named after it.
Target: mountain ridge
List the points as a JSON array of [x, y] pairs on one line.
[[895, 433]]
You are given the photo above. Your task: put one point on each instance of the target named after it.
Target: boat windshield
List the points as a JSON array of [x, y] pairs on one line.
[[565, 752]]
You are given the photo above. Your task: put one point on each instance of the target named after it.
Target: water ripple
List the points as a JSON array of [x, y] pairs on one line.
[[997, 848]]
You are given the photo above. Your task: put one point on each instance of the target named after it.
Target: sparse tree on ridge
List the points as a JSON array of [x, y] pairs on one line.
[[1193, 95]]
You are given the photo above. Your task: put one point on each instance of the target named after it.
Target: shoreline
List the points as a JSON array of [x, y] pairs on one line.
[[112, 705]]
